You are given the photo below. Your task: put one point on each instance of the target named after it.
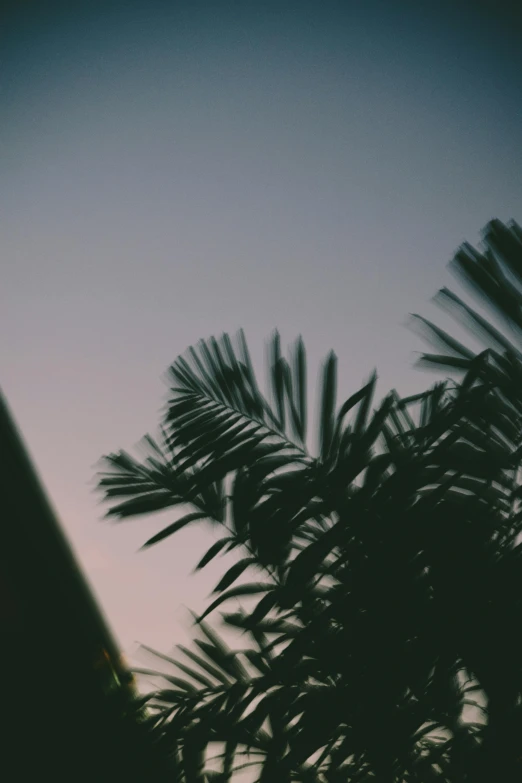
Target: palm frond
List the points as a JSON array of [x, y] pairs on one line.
[[383, 561]]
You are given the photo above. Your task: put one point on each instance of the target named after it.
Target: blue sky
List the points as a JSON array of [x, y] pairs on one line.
[[172, 171]]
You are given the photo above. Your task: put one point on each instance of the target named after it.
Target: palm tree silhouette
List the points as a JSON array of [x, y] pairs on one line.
[[384, 568], [492, 275]]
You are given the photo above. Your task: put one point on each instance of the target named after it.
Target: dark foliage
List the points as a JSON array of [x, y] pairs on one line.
[[383, 571]]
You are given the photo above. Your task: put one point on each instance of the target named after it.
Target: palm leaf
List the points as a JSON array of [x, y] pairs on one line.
[[328, 398], [174, 527]]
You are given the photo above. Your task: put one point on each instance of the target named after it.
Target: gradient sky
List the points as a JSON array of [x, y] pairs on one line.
[[172, 171]]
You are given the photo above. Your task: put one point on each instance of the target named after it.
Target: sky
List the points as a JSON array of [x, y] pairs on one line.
[[171, 171]]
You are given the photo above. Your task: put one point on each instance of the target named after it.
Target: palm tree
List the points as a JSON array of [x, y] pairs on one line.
[[493, 277], [376, 559]]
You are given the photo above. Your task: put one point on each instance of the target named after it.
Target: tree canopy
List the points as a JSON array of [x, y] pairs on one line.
[[379, 575]]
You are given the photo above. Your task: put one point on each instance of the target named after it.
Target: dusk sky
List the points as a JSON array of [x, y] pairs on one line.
[[173, 171]]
